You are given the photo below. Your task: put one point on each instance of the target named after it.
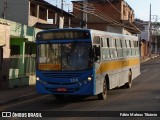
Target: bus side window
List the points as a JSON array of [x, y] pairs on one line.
[[132, 48], [119, 48], [113, 49], [129, 48], [137, 48], [124, 48], [97, 48], [105, 50], [96, 40], [102, 42], [107, 42]]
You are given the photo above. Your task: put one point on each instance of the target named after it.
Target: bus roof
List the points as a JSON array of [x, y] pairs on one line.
[[96, 33]]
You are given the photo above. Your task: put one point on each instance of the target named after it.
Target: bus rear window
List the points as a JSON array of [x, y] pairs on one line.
[[61, 35]]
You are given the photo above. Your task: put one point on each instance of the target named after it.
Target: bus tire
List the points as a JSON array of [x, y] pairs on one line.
[[129, 83], [103, 95]]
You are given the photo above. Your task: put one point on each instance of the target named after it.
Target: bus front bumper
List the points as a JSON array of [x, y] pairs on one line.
[[75, 89]]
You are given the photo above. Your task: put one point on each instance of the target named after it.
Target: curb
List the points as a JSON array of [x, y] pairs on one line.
[[155, 56], [142, 61]]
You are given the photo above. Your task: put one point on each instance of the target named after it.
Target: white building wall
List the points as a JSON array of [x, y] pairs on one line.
[[5, 39]]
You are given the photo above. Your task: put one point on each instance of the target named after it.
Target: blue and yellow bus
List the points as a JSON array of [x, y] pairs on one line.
[[75, 61]]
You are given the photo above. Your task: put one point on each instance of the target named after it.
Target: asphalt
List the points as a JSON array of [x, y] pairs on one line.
[[29, 92], [17, 94]]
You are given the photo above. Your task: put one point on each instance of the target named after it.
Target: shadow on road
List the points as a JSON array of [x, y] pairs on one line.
[[146, 64]]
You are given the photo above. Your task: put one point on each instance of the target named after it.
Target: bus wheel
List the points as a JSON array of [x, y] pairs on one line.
[[59, 97], [103, 95], [129, 84]]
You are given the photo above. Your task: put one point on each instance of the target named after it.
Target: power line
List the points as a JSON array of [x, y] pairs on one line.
[[114, 7], [104, 17], [99, 13]]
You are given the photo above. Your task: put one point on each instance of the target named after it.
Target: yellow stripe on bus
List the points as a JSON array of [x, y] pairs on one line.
[[117, 64]]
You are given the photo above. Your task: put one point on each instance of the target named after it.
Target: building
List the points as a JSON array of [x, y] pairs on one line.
[[149, 37], [107, 15], [155, 41], [4, 53], [144, 37], [34, 13], [19, 23], [158, 42], [18, 66]]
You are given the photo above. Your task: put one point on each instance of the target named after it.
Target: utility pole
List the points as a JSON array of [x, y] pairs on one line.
[[84, 14], [56, 3], [5, 9], [61, 18], [150, 33], [62, 7]]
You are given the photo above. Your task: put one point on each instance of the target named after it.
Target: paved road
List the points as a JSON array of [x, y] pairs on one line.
[[143, 96]]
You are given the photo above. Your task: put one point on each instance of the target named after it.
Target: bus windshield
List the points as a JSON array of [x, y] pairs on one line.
[[68, 56]]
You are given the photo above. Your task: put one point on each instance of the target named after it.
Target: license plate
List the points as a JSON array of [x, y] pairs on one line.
[[61, 89]]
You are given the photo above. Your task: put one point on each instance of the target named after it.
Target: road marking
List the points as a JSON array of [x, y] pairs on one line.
[[144, 70], [7, 106]]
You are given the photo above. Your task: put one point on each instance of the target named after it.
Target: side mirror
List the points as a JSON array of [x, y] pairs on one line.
[[96, 52]]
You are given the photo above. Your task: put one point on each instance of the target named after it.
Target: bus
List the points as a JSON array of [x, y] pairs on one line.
[[84, 62]]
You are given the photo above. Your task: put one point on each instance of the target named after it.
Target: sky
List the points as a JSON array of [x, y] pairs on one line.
[[141, 8]]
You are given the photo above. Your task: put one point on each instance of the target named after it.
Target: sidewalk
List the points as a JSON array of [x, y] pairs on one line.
[[28, 92]]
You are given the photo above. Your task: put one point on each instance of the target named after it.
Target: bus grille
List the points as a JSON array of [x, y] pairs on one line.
[[61, 75]]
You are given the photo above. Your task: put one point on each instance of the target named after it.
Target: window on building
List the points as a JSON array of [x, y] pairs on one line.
[[42, 13], [33, 10], [15, 49]]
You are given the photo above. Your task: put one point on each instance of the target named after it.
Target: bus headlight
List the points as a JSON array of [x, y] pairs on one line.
[[89, 78], [37, 78]]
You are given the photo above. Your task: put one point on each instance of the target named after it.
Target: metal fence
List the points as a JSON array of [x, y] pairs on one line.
[[21, 66]]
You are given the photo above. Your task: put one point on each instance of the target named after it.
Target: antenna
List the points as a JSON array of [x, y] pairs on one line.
[[56, 3], [62, 7], [5, 9]]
